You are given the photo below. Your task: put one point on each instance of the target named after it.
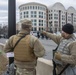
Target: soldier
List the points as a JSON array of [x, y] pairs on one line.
[[26, 51], [66, 51], [3, 62]]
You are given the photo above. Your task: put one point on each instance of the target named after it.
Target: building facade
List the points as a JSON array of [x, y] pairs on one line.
[[71, 16], [56, 17], [36, 12], [50, 18]]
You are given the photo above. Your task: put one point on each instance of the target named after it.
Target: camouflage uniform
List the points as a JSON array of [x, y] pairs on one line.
[[26, 66], [67, 48], [3, 62], [25, 71]]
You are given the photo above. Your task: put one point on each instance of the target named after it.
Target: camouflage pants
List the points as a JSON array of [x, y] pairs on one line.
[[20, 71], [1, 72]]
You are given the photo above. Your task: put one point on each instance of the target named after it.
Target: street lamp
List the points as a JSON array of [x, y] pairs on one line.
[[11, 21]]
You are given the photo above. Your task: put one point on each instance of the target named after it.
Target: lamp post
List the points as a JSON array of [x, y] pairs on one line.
[[11, 21]]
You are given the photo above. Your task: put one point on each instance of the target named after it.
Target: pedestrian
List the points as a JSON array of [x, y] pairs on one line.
[[42, 36], [38, 34], [27, 50], [65, 56], [46, 37]]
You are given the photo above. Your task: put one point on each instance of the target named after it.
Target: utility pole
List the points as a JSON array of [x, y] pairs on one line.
[[11, 21]]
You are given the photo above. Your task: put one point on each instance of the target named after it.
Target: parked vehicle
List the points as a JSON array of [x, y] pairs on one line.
[[33, 33]]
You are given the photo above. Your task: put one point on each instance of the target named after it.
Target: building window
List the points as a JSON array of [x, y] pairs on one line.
[[55, 16], [25, 7], [55, 23], [69, 18], [44, 15], [63, 17], [34, 22], [34, 29], [33, 14], [38, 7], [74, 19], [30, 7], [21, 9], [63, 23], [33, 7], [40, 28], [50, 16], [40, 22], [21, 13], [54, 10], [40, 14], [50, 23], [26, 14]]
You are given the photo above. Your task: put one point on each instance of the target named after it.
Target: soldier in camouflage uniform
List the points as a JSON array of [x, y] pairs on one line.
[[27, 50], [3, 62], [66, 52]]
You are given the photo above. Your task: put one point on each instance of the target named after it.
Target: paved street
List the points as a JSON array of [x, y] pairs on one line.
[[48, 44]]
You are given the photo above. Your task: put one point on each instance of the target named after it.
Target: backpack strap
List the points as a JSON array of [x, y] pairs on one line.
[[64, 69], [54, 64], [18, 41]]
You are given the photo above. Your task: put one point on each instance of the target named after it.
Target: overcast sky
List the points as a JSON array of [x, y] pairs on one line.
[[4, 6]]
